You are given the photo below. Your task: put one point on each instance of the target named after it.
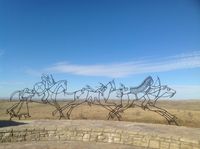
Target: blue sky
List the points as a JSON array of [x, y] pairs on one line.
[[91, 41]]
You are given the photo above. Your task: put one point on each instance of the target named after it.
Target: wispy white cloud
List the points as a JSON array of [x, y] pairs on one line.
[[182, 61]]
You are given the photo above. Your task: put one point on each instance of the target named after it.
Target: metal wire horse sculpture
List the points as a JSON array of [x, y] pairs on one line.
[[47, 90], [145, 96]]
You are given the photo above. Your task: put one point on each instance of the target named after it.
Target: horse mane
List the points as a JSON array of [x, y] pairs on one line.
[[89, 88], [143, 84]]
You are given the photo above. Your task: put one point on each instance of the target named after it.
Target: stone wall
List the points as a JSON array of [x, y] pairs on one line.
[[136, 134]]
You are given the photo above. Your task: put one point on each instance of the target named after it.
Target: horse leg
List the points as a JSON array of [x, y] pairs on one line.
[[45, 97], [10, 110], [114, 112], [119, 108], [69, 112], [107, 107], [169, 117], [12, 114], [72, 107], [130, 104], [20, 107], [27, 107], [57, 106], [63, 108], [144, 103]]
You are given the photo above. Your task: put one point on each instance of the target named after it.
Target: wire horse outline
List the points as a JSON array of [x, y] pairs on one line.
[[149, 103], [91, 96], [47, 90], [145, 96]]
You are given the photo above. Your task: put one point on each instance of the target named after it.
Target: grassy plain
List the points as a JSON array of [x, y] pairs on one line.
[[187, 112]]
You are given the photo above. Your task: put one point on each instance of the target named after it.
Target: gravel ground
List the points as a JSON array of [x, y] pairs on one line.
[[65, 145]]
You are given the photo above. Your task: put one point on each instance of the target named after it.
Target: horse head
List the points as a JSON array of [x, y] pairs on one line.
[[158, 91], [167, 91]]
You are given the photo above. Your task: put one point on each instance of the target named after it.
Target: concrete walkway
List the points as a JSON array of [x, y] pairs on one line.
[[98, 134], [66, 145]]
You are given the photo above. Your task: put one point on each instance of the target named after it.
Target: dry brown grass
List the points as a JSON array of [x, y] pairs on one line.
[[188, 112]]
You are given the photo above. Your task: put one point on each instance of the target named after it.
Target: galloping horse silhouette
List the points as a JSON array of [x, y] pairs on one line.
[[138, 91], [148, 98], [47, 90], [156, 93], [23, 96], [89, 95]]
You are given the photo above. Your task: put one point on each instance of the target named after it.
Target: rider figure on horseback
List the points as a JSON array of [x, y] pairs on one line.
[[48, 81], [42, 88]]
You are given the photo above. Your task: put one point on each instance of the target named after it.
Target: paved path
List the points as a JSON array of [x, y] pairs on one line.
[[156, 129], [96, 134], [66, 145]]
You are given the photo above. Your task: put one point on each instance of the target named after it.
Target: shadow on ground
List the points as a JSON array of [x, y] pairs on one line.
[[7, 123]]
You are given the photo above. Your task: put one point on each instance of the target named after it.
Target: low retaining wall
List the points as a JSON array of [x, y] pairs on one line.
[[137, 134]]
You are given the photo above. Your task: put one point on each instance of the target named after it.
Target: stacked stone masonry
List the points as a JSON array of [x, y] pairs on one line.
[[144, 135]]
